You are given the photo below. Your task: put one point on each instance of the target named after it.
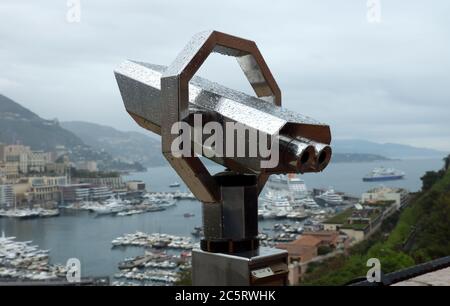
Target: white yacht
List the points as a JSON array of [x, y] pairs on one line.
[[274, 205], [162, 200], [330, 197], [111, 206]]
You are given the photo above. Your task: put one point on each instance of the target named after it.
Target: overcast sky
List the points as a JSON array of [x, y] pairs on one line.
[[386, 82]]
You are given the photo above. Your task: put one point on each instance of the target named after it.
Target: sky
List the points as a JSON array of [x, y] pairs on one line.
[[381, 77]]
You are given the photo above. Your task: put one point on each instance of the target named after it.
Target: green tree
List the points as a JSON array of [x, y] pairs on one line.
[[184, 278], [447, 162], [429, 179]]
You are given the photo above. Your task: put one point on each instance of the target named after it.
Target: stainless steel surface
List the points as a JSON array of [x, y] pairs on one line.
[[140, 86], [297, 155], [235, 217], [240, 212], [212, 215], [322, 153], [175, 97], [217, 269], [227, 105], [159, 97]]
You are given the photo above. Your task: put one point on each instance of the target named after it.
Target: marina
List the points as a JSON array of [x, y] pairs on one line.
[[149, 202], [287, 197], [29, 213], [322, 159], [88, 236], [157, 276], [116, 206], [155, 267], [154, 240], [24, 261], [330, 197]]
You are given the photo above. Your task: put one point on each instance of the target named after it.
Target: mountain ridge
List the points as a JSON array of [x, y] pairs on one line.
[[126, 145], [388, 149], [366, 151], [20, 125]]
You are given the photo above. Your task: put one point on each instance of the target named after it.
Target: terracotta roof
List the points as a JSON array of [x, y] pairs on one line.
[[307, 240], [324, 235], [304, 251]]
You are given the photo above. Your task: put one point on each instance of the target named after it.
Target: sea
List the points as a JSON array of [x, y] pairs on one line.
[[82, 235]]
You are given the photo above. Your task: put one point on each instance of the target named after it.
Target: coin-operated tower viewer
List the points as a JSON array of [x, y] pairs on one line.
[[185, 109]]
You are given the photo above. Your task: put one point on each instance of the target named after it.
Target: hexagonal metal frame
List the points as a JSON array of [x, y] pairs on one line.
[[175, 100]]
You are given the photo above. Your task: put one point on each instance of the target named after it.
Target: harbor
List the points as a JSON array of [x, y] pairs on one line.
[[29, 213], [115, 205], [154, 240], [22, 261], [131, 253], [152, 268], [287, 197], [87, 233]]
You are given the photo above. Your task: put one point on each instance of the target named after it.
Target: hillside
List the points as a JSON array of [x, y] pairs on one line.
[[390, 150], [20, 125], [420, 233], [356, 157], [128, 146], [139, 147]]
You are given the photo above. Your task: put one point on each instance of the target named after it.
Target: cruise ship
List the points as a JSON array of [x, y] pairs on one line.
[[296, 187], [290, 186], [383, 174], [284, 197]]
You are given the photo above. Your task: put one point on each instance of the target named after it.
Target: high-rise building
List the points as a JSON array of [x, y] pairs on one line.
[[7, 197]]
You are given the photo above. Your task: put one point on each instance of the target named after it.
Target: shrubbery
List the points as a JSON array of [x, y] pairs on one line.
[[422, 233]]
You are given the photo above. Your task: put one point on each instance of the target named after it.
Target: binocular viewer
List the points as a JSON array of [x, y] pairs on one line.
[[218, 104], [160, 98], [251, 136]]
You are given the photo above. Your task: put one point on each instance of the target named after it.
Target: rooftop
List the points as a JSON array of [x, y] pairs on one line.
[[356, 226], [341, 217], [307, 240], [384, 189], [323, 235]]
